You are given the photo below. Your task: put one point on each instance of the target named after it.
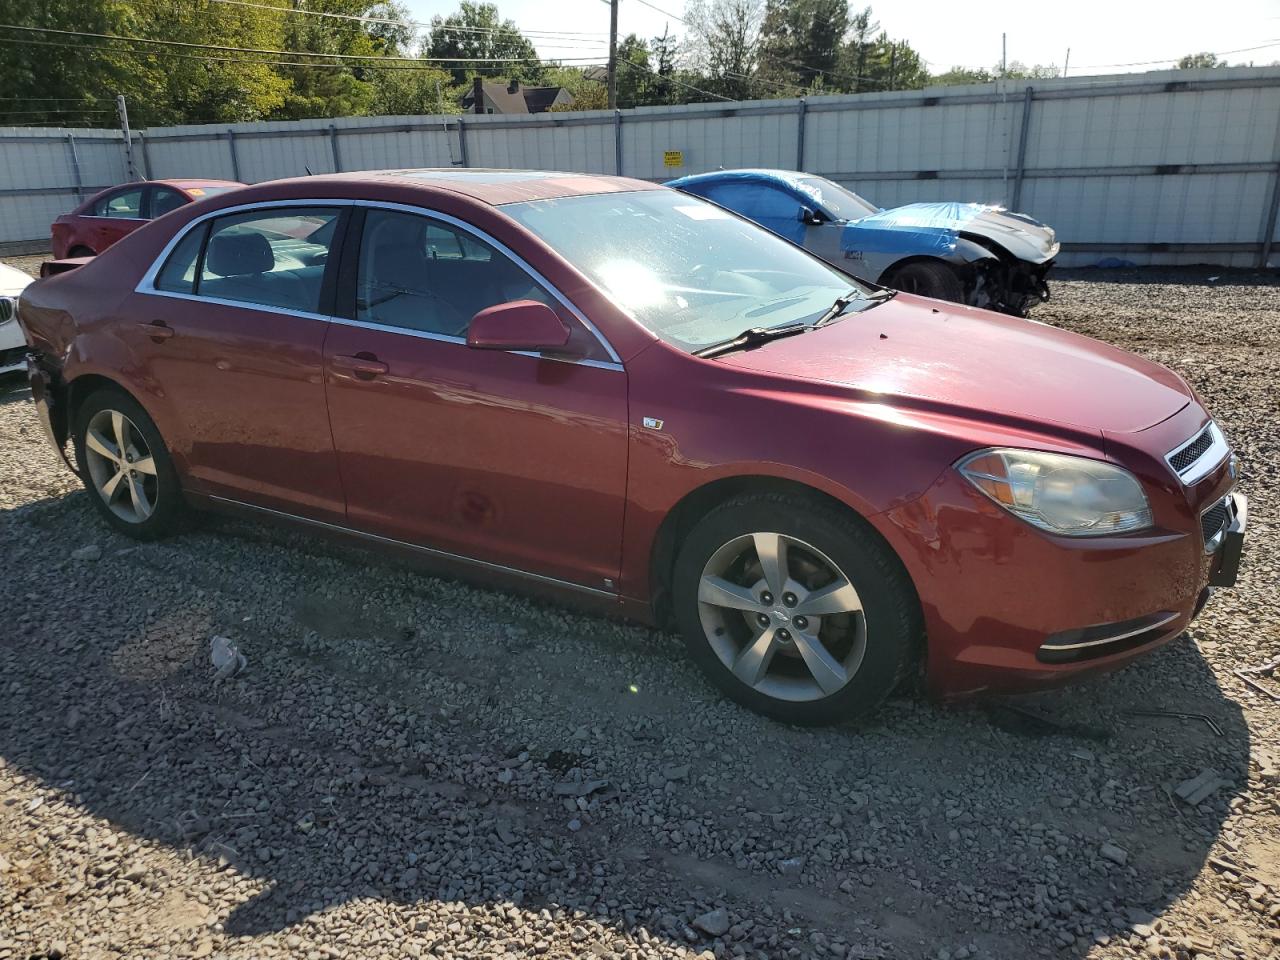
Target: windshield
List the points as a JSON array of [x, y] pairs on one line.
[[843, 204], [689, 271]]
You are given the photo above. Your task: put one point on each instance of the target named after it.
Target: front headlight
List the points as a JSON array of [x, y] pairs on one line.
[[1070, 496]]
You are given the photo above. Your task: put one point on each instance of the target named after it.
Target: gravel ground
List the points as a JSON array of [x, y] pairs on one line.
[[415, 767]]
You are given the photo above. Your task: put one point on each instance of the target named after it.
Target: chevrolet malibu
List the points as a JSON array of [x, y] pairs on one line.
[[600, 388]]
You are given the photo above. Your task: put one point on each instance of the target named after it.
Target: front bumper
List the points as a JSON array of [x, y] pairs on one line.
[[1008, 608]]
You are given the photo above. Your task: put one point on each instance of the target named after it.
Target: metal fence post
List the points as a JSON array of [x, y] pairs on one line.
[[146, 157], [333, 146], [462, 140], [235, 160], [1273, 207], [75, 166], [617, 142], [1016, 201], [802, 109]]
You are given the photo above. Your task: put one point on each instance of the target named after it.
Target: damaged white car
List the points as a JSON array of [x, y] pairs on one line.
[[13, 345], [973, 253]]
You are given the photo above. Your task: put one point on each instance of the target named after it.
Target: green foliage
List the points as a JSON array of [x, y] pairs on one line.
[[1193, 61], [477, 31]]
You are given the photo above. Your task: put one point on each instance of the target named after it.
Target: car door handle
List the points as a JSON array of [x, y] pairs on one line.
[[365, 366], [157, 330]]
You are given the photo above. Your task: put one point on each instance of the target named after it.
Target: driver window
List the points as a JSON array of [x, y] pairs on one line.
[[422, 274]]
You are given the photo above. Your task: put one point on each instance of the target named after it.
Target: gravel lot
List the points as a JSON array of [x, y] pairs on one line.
[[415, 767]]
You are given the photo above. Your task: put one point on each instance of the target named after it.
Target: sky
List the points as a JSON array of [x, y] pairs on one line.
[[950, 33]]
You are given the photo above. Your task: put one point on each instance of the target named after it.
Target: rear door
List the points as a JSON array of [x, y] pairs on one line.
[[509, 458], [232, 331], [162, 200], [115, 216]]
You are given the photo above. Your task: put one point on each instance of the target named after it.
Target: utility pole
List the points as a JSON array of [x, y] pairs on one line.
[[123, 112], [1066, 63], [613, 54], [1004, 54], [893, 64]]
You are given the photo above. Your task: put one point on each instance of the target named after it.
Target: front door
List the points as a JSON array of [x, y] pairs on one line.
[[508, 458], [115, 216], [234, 331]]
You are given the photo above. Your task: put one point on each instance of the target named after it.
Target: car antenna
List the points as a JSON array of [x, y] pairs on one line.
[[308, 169]]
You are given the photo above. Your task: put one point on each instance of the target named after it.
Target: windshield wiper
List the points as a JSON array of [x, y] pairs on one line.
[[853, 296], [751, 337]]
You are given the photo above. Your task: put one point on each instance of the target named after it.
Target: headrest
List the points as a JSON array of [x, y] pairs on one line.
[[237, 254]]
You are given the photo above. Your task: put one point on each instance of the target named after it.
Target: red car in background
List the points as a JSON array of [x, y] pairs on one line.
[[117, 211], [605, 389]]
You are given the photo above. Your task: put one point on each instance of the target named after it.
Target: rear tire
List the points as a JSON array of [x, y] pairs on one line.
[[928, 278], [126, 467], [821, 635]]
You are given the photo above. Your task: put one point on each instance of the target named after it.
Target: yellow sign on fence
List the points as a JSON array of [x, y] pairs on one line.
[[673, 158]]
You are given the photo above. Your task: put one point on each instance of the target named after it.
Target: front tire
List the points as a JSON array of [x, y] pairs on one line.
[[928, 278], [795, 608], [126, 467]]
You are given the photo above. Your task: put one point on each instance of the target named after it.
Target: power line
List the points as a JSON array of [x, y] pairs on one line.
[[665, 13], [1150, 63], [248, 60], [679, 83], [415, 24], [279, 53]]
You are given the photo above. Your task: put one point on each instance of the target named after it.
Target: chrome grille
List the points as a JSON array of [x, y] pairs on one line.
[[1199, 456], [1213, 520], [1192, 452]]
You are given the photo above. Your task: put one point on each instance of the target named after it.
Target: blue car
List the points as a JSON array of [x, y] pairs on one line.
[[971, 253]]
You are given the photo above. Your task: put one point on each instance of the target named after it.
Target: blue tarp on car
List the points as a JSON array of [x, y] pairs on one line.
[[772, 199], [928, 228]]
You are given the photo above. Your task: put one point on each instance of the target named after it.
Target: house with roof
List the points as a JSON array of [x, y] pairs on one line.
[[513, 97]]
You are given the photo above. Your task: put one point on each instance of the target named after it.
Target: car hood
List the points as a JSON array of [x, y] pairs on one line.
[[934, 228], [12, 281], [979, 362]]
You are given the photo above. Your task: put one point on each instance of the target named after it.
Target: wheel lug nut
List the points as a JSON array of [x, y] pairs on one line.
[[766, 597], [784, 635], [762, 619], [789, 599], [801, 623]]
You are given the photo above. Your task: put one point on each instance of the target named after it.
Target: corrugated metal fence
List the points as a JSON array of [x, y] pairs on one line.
[[1170, 167]]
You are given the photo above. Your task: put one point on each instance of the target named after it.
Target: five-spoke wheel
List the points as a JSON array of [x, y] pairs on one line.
[[125, 465], [795, 607], [121, 466]]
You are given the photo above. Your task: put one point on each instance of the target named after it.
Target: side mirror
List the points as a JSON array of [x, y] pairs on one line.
[[518, 325], [809, 217]]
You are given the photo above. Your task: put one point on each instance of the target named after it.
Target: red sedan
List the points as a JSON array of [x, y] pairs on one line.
[[107, 216], [605, 389]]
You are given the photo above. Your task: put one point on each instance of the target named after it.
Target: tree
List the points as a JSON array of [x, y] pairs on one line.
[[665, 51], [636, 85], [476, 32], [1195, 61], [960, 76], [858, 50], [725, 43], [801, 40], [587, 86]]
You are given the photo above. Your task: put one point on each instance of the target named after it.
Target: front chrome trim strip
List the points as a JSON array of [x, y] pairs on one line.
[[1156, 625], [418, 548], [1207, 462], [147, 284]]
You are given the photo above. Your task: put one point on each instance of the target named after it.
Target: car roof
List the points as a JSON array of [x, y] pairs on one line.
[[785, 178], [185, 183], [493, 187]]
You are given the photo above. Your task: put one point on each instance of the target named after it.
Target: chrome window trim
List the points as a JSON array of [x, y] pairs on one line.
[[147, 285], [431, 551], [241, 304], [1208, 461]]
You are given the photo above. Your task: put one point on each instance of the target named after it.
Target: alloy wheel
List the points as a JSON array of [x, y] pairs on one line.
[[121, 466], [782, 616]]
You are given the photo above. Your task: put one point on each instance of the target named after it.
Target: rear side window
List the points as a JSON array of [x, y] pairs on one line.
[[274, 258], [127, 204], [178, 275], [165, 200]]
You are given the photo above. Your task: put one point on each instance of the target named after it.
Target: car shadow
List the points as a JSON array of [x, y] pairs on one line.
[[417, 741]]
